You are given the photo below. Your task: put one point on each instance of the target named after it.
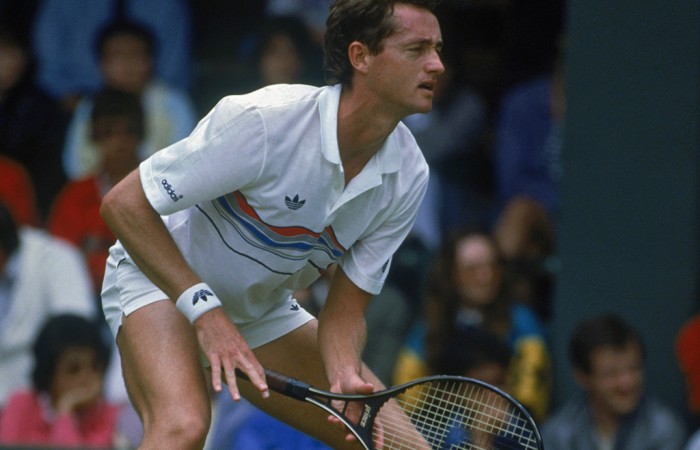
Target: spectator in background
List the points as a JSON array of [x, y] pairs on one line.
[[285, 53], [40, 276], [467, 289], [17, 192], [65, 407], [116, 131], [126, 52], [32, 125], [529, 140], [312, 12], [68, 67], [612, 411], [479, 354], [281, 52], [476, 353], [687, 348]]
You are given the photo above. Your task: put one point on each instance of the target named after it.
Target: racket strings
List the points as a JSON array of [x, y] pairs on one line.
[[456, 415]]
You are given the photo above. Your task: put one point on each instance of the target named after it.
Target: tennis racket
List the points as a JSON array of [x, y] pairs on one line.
[[437, 412]]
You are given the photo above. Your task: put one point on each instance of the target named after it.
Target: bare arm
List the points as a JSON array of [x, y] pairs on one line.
[[341, 330], [129, 214], [341, 338]]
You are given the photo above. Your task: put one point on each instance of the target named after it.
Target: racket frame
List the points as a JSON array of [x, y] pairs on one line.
[[299, 390]]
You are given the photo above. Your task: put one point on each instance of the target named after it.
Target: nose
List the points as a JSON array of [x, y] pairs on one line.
[[434, 64]]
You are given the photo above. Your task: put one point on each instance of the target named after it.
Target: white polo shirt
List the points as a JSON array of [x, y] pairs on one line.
[[256, 201]]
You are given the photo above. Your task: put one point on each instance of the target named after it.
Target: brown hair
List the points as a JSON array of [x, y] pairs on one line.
[[365, 21], [442, 301]]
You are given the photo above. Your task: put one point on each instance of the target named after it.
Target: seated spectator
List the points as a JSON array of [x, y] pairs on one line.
[[116, 130], [475, 352], [285, 53], [612, 411], [126, 51], [40, 276], [67, 65], [688, 355], [17, 192], [65, 408], [467, 288], [32, 125], [312, 12], [527, 161]]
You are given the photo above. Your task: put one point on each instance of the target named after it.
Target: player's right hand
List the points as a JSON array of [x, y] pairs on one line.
[[227, 350]]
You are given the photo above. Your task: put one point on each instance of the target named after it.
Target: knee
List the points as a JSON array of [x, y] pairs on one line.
[[181, 428]]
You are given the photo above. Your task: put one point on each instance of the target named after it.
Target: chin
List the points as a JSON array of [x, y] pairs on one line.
[[624, 406], [422, 109]]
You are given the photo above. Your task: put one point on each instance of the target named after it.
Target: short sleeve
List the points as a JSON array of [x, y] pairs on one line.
[[368, 261], [225, 152]]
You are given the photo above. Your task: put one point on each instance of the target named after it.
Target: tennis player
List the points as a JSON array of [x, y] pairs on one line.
[[270, 189]]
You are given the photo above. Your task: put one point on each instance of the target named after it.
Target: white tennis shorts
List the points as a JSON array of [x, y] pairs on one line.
[[125, 289]]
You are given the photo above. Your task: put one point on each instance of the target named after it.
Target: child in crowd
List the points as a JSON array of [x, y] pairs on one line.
[[116, 129], [65, 408], [126, 51]]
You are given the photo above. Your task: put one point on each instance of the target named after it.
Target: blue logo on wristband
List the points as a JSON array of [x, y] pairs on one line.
[[200, 294]]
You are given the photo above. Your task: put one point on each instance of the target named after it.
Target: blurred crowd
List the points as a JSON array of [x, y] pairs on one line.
[[90, 88]]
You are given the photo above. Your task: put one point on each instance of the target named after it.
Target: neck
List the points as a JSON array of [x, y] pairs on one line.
[[606, 422], [362, 130]]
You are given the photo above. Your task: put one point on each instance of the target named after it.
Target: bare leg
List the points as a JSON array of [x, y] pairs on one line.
[[296, 354], [164, 378]]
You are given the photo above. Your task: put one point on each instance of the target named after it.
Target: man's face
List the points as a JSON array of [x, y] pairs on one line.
[[616, 380], [405, 72]]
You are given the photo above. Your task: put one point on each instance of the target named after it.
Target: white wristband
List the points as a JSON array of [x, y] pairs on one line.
[[197, 300]]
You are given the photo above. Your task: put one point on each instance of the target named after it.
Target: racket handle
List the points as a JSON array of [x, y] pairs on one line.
[[282, 384]]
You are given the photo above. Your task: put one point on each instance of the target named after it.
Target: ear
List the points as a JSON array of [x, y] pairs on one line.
[[358, 54]]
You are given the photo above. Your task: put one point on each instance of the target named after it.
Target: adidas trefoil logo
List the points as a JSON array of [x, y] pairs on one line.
[[294, 203], [201, 294]]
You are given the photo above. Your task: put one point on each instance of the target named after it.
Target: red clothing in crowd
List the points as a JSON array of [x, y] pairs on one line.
[[27, 419], [75, 216], [17, 192]]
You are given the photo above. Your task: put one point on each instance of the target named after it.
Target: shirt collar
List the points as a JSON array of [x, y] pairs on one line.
[[387, 160]]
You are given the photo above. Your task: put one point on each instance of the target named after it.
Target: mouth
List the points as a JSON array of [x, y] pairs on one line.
[[427, 86]]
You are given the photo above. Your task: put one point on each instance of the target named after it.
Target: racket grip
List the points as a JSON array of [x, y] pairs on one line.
[[282, 384]]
